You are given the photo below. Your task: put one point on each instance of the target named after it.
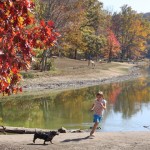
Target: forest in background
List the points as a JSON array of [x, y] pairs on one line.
[[88, 31]]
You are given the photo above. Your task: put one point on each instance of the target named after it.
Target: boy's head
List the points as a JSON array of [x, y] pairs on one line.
[[99, 94]]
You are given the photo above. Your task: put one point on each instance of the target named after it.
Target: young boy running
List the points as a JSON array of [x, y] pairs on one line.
[[98, 107]]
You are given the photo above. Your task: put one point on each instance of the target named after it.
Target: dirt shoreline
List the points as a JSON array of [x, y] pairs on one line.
[[69, 82], [80, 141]]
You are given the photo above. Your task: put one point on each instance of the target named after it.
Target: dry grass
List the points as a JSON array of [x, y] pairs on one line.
[[65, 67]]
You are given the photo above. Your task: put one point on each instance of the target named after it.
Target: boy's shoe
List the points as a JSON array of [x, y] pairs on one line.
[[96, 128]]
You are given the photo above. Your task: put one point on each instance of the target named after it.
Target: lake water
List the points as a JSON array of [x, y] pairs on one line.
[[128, 108]]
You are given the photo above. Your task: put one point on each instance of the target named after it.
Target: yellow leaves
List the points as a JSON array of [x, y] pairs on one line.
[[139, 28], [7, 13], [142, 45], [20, 20], [132, 30], [52, 44], [8, 80], [66, 46]]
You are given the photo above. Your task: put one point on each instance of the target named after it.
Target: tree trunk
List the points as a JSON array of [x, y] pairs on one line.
[[75, 54], [44, 61], [45, 65], [122, 56], [110, 55]]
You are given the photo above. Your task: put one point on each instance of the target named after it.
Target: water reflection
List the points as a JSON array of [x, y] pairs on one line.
[[128, 108]]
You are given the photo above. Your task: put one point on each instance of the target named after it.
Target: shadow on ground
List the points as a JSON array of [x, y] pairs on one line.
[[36, 144], [77, 139]]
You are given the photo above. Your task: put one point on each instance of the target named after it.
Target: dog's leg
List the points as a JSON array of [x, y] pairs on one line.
[[44, 142], [51, 142], [34, 139]]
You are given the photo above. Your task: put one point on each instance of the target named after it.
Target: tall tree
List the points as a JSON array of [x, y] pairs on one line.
[[60, 12], [73, 37], [131, 30], [92, 27], [113, 46]]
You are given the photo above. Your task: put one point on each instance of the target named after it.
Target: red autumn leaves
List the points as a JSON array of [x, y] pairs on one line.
[[19, 34], [113, 46]]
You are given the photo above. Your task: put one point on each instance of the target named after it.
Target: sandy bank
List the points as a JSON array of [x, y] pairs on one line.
[[80, 141]]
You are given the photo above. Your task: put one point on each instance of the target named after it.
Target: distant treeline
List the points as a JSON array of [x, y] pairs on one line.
[[89, 31]]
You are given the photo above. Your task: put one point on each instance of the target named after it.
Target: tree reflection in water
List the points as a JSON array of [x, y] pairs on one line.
[[71, 108]]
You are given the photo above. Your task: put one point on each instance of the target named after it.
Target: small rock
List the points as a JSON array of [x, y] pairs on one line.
[[76, 131], [62, 130]]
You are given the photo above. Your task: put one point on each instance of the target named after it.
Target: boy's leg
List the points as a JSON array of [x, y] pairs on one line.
[[94, 128]]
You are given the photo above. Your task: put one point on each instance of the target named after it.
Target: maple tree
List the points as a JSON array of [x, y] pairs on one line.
[[113, 46], [19, 34]]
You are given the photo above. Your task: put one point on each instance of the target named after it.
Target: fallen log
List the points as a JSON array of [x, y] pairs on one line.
[[20, 130]]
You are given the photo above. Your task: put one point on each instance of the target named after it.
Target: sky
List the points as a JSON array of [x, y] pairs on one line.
[[141, 6]]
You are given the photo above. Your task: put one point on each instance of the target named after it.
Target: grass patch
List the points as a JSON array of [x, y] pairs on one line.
[[27, 75], [33, 95]]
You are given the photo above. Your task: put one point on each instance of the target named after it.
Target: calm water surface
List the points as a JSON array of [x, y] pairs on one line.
[[128, 108]]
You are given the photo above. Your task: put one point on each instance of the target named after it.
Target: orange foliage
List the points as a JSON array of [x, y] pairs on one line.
[[114, 94], [19, 34]]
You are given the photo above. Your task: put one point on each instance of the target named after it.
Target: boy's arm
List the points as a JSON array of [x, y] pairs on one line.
[[92, 108], [103, 105]]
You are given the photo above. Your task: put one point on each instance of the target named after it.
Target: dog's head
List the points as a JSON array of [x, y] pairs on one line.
[[53, 133]]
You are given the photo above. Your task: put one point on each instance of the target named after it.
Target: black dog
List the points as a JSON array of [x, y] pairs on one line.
[[47, 136]]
